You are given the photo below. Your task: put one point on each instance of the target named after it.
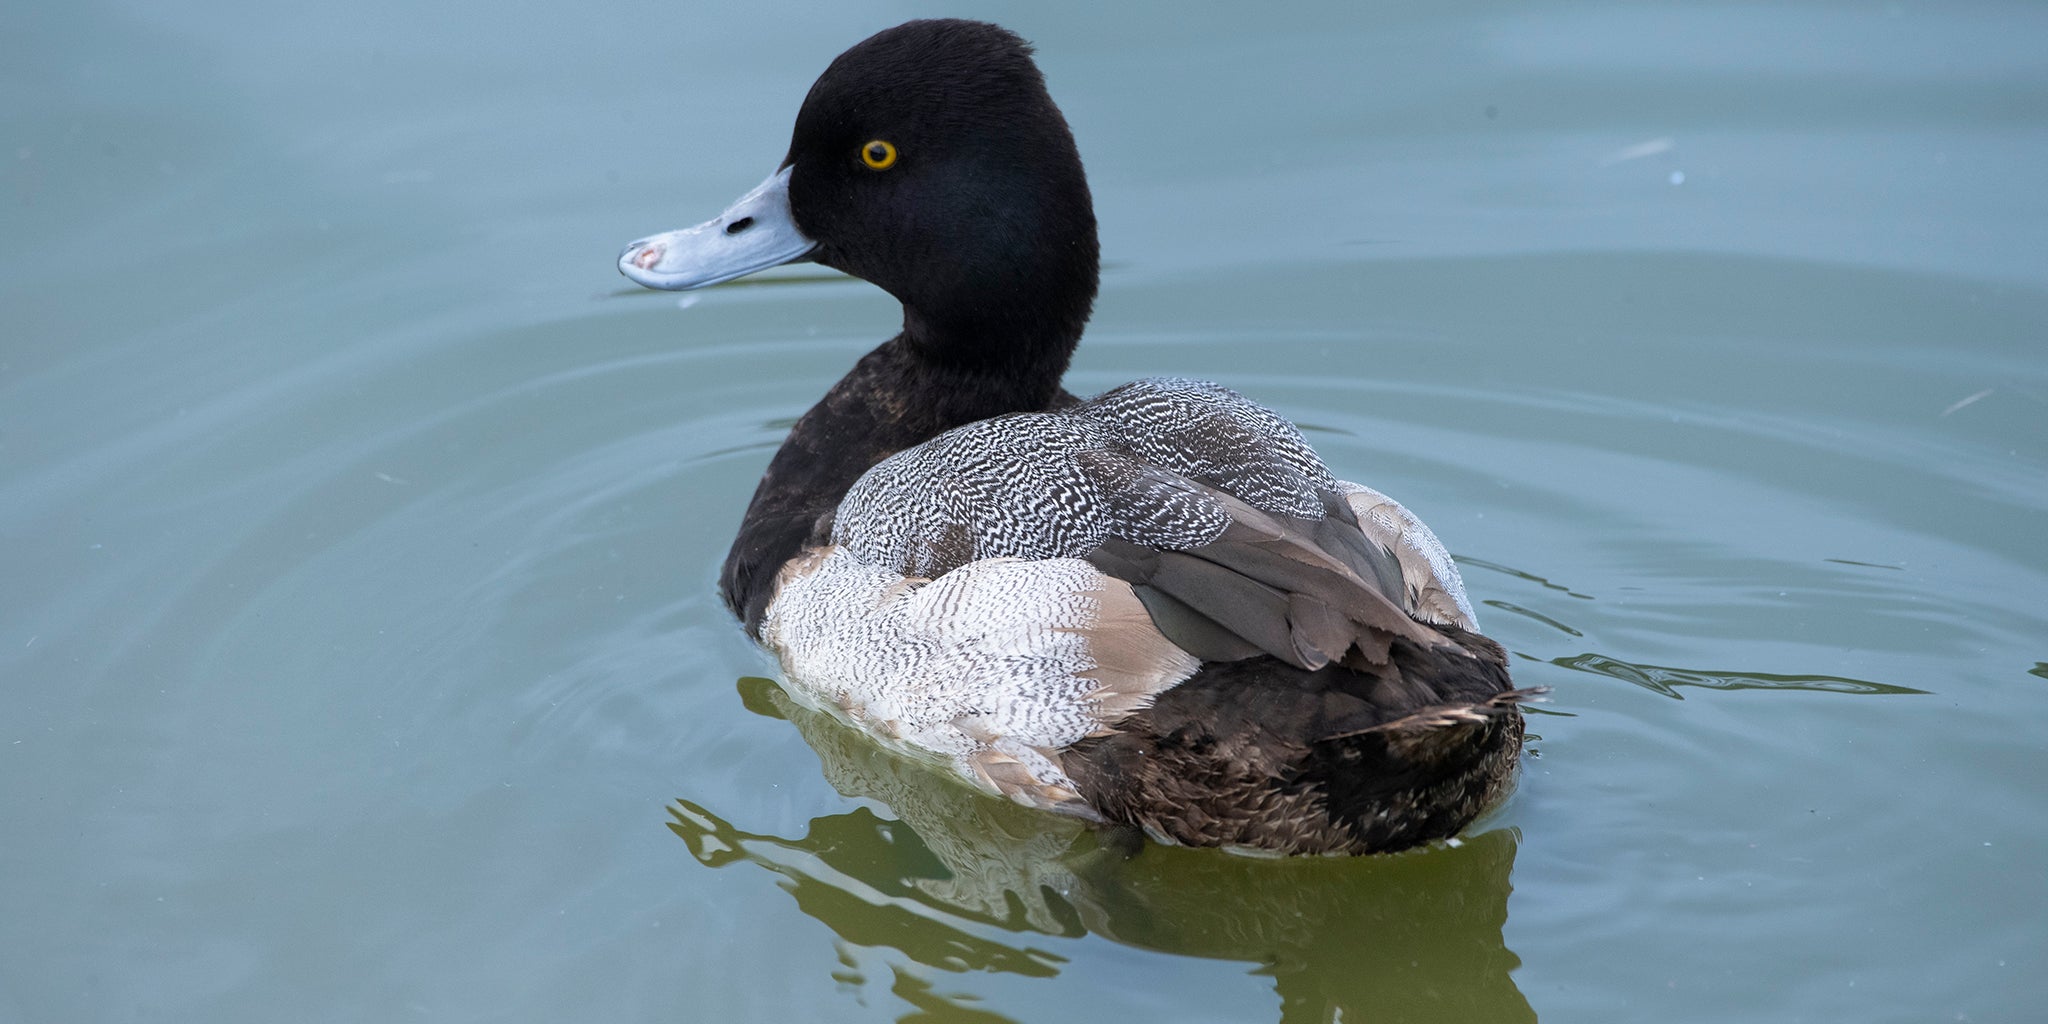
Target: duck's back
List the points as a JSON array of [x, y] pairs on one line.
[[1152, 462], [1015, 594]]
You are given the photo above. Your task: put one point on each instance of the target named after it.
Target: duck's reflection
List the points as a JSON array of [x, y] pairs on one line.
[[1389, 937]]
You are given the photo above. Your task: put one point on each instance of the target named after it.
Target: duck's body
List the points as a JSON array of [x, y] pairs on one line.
[[1155, 607]]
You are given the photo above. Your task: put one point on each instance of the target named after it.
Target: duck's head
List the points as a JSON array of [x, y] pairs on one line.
[[929, 160]]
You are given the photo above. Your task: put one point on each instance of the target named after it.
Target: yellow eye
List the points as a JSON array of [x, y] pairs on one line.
[[878, 154]]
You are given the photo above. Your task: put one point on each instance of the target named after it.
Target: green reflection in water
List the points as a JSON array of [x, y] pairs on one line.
[[2040, 669], [960, 877], [1666, 680], [934, 1006]]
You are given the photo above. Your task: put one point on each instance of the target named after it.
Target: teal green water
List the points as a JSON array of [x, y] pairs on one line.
[[359, 654]]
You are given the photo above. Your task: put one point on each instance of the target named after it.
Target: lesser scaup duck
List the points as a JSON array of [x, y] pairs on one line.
[[1152, 608]]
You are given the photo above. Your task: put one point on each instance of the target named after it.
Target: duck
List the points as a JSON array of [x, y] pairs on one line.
[[1155, 609]]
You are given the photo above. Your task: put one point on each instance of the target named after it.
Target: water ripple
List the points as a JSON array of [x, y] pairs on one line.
[[1666, 680]]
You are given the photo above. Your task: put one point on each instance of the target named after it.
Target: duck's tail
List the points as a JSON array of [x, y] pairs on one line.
[[1424, 775], [1260, 755]]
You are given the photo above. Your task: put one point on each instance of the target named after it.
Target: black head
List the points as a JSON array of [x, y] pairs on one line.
[[930, 160]]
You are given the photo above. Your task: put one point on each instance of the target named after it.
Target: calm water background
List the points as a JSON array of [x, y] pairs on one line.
[[359, 655]]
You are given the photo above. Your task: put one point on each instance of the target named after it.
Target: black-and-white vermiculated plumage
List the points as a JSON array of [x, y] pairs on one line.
[[1057, 484], [1155, 607]]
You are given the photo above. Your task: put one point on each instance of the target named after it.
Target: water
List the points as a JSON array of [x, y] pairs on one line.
[[359, 655]]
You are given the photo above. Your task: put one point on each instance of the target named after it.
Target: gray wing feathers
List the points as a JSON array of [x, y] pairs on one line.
[[1268, 582], [1434, 592]]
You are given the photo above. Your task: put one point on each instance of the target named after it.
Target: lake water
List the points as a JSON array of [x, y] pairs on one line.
[[359, 652]]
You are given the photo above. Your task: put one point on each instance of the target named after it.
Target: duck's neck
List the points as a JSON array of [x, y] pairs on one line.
[[912, 388]]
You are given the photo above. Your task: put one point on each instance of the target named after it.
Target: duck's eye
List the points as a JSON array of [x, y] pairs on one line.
[[878, 154]]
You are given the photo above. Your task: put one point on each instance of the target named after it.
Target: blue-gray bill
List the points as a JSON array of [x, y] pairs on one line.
[[754, 233]]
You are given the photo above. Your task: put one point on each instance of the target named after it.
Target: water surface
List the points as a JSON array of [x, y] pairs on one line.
[[359, 651]]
